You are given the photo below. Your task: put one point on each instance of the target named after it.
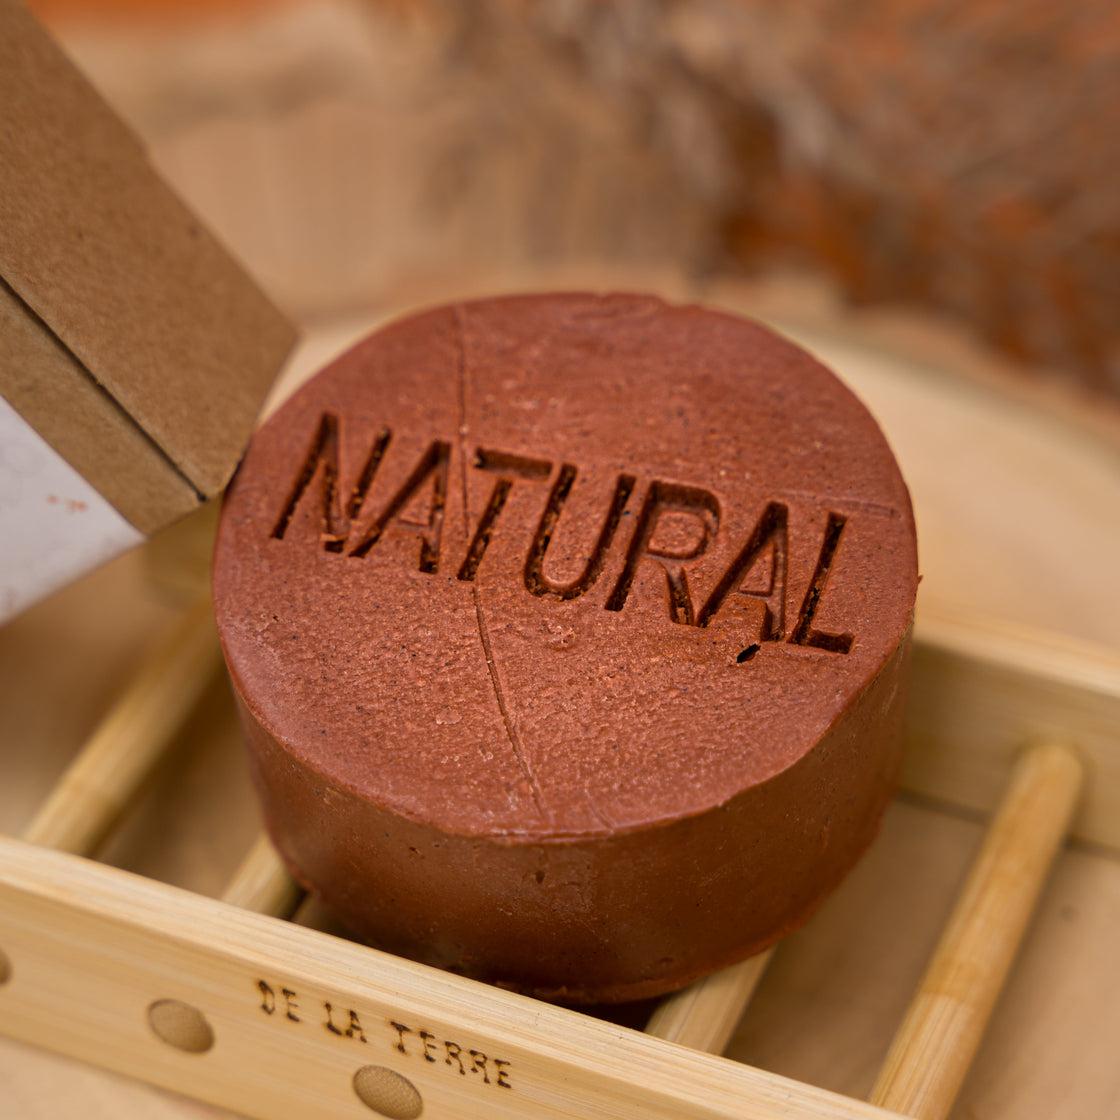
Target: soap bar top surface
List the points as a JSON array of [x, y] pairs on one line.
[[562, 566]]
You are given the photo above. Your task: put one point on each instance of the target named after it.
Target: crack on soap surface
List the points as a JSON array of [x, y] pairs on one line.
[[483, 634], [600, 818]]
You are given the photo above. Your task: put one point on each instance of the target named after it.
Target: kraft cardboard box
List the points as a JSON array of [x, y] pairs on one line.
[[135, 352]]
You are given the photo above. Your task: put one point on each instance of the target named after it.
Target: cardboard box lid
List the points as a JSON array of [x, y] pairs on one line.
[[145, 332]]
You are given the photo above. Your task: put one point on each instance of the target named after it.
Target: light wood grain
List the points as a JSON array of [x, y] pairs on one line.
[[262, 882], [704, 1015], [837, 990], [971, 710], [93, 948], [939, 1036], [129, 743]]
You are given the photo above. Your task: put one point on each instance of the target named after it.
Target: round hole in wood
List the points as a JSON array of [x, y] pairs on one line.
[[386, 1092], [5, 968], [180, 1025]]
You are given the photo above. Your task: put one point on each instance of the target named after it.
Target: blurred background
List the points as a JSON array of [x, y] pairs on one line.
[[960, 160]]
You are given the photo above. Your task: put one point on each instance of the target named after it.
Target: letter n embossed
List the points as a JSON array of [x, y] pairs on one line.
[[322, 457]]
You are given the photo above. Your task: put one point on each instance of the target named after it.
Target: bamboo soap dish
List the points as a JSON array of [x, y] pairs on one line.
[[240, 1002], [226, 1001]]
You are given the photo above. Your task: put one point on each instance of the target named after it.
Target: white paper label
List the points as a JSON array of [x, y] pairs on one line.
[[54, 526]]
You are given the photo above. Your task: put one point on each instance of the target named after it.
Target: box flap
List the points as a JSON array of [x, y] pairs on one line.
[[150, 307], [53, 393]]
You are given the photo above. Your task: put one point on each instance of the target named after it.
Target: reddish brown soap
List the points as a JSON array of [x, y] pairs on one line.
[[571, 637]]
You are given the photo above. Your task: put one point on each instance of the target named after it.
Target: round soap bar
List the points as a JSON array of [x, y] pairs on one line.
[[570, 634]]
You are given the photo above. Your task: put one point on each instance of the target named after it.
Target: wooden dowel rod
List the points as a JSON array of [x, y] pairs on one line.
[[312, 914], [704, 1015], [87, 800], [262, 883], [941, 1032]]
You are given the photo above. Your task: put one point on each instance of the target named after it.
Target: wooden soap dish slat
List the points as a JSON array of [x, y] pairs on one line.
[[704, 1015], [95, 951], [262, 883], [942, 1029], [273, 1019], [110, 769]]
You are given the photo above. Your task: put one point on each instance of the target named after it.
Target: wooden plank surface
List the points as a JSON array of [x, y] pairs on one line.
[[835, 992], [280, 1021], [938, 1039]]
